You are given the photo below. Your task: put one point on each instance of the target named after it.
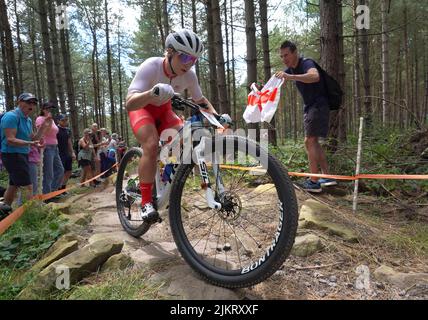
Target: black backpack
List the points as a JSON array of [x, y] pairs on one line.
[[334, 91]]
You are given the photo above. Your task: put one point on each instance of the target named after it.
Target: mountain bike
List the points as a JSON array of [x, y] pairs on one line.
[[231, 205]]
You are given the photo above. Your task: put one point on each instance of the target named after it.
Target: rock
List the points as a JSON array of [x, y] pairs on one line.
[[70, 269], [333, 279], [64, 208], [315, 215], [187, 285], [400, 279], [66, 238], [117, 262], [306, 245], [60, 252], [156, 253], [114, 236], [362, 282], [265, 188]]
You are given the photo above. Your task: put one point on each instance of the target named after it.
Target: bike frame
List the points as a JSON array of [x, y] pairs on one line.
[[163, 189]]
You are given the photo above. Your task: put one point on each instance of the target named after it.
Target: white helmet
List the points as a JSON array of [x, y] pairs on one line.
[[185, 41]]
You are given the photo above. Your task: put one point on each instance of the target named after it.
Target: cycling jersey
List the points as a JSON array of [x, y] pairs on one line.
[[151, 72]]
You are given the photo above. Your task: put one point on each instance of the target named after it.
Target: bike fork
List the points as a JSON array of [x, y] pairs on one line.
[[206, 185]]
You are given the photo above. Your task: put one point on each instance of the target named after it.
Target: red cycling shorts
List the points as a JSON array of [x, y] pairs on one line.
[[162, 117]]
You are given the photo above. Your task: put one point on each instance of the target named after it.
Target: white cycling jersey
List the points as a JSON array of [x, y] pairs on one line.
[[151, 72]]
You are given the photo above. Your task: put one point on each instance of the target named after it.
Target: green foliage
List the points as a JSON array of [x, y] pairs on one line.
[[119, 285], [24, 243]]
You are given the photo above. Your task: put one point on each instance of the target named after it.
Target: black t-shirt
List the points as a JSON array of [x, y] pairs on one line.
[[63, 135], [314, 94]]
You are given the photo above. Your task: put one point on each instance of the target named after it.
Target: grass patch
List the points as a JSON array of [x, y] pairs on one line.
[[118, 285], [24, 243], [412, 238]]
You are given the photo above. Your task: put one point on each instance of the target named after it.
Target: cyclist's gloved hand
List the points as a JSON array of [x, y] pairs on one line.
[[164, 91], [225, 119]]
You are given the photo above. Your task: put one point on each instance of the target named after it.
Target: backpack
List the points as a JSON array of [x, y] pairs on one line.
[[334, 91]]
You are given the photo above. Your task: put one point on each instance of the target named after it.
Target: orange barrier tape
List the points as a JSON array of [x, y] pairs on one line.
[[337, 177], [363, 176], [15, 215]]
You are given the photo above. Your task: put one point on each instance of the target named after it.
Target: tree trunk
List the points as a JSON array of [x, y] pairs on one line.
[[235, 117], [250, 33], [7, 81], [211, 56], [20, 49], [226, 28], [195, 30], [56, 57], [32, 35], [121, 111], [9, 52], [366, 76], [159, 20], [331, 55], [357, 90], [47, 50], [218, 45], [266, 64], [165, 17], [385, 63], [110, 80], [407, 66], [68, 72]]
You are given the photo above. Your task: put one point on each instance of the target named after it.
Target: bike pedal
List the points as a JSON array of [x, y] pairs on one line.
[[160, 220]]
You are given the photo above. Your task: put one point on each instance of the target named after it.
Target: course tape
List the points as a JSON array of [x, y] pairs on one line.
[[363, 176], [15, 215]]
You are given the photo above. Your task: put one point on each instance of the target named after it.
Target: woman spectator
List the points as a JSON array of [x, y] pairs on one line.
[[86, 156], [53, 171]]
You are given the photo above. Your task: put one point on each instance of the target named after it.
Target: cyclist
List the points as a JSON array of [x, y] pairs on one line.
[[149, 103]]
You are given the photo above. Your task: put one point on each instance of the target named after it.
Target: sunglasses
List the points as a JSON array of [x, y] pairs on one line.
[[32, 102], [187, 58]]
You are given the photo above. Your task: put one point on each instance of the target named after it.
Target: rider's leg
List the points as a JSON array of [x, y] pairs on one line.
[[148, 137]]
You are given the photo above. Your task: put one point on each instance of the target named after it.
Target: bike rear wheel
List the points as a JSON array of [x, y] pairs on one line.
[[247, 240], [128, 196]]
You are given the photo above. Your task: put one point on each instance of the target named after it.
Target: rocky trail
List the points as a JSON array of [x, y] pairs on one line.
[[337, 255]]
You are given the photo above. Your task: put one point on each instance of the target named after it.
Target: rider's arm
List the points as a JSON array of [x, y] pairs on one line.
[[138, 100]]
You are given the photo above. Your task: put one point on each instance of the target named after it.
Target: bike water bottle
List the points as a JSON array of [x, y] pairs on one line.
[[167, 172]]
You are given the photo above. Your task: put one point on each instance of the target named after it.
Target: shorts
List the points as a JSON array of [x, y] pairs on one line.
[[18, 168], [84, 163], [162, 117], [67, 161], [316, 120]]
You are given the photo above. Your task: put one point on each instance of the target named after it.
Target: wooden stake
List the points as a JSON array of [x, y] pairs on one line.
[[357, 170]]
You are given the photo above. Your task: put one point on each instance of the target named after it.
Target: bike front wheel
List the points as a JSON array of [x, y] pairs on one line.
[[250, 237]]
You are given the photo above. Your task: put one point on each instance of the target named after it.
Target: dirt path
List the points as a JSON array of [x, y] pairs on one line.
[[333, 273]]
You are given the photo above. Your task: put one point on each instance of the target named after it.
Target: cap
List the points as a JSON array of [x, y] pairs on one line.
[[48, 105], [26, 96], [61, 116]]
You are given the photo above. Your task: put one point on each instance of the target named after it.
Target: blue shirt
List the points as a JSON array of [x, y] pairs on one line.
[[15, 119], [313, 94]]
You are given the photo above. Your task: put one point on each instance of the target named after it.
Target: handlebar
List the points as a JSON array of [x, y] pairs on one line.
[[179, 103]]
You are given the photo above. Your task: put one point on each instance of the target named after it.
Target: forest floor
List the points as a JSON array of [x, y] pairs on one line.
[[387, 235]]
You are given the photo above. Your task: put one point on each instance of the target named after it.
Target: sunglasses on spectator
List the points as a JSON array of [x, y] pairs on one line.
[[187, 58], [31, 102]]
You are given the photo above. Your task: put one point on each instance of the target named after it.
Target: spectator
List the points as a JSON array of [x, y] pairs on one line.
[[96, 142], [102, 150], [86, 156], [16, 139], [33, 163], [53, 171], [65, 146], [316, 110]]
